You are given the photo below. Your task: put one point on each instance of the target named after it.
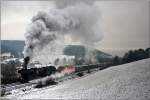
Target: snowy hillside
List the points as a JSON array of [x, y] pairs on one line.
[[124, 82]]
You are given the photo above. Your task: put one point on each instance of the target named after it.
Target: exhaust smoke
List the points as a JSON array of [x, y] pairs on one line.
[[46, 33]]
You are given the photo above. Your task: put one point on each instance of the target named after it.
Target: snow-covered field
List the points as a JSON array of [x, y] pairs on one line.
[[124, 82]]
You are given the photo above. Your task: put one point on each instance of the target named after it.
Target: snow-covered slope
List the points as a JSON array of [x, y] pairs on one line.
[[124, 82]]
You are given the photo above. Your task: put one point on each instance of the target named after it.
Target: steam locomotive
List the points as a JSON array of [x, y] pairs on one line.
[[33, 73]]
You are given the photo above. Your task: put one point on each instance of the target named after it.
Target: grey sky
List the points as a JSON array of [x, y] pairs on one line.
[[125, 24]]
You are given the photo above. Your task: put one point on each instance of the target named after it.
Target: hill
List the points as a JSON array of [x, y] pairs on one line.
[[16, 48], [80, 50], [13, 46], [124, 82]]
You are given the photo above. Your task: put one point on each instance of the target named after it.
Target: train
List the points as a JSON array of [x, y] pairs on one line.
[[47, 70], [33, 73]]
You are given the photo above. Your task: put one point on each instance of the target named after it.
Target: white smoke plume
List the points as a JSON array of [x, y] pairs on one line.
[[76, 19], [90, 56]]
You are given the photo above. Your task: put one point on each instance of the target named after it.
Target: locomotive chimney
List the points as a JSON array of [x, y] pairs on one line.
[[26, 61]]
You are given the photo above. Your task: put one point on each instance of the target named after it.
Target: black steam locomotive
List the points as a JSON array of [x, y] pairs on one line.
[[33, 73]]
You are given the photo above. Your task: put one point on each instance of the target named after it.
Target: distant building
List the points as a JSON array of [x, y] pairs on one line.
[[6, 55]]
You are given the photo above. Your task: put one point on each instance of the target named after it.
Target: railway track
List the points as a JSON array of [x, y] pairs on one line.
[[18, 85]]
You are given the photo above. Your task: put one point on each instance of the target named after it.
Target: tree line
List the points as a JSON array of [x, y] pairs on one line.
[[132, 55]]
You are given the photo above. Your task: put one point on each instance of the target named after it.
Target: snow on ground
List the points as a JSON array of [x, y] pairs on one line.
[[124, 82]]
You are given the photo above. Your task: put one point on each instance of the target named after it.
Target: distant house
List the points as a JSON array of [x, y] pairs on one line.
[[5, 56]]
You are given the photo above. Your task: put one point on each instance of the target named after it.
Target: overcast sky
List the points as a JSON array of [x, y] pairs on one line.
[[125, 24]]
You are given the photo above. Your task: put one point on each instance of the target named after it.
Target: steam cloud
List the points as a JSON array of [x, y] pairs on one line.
[[76, 19]]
